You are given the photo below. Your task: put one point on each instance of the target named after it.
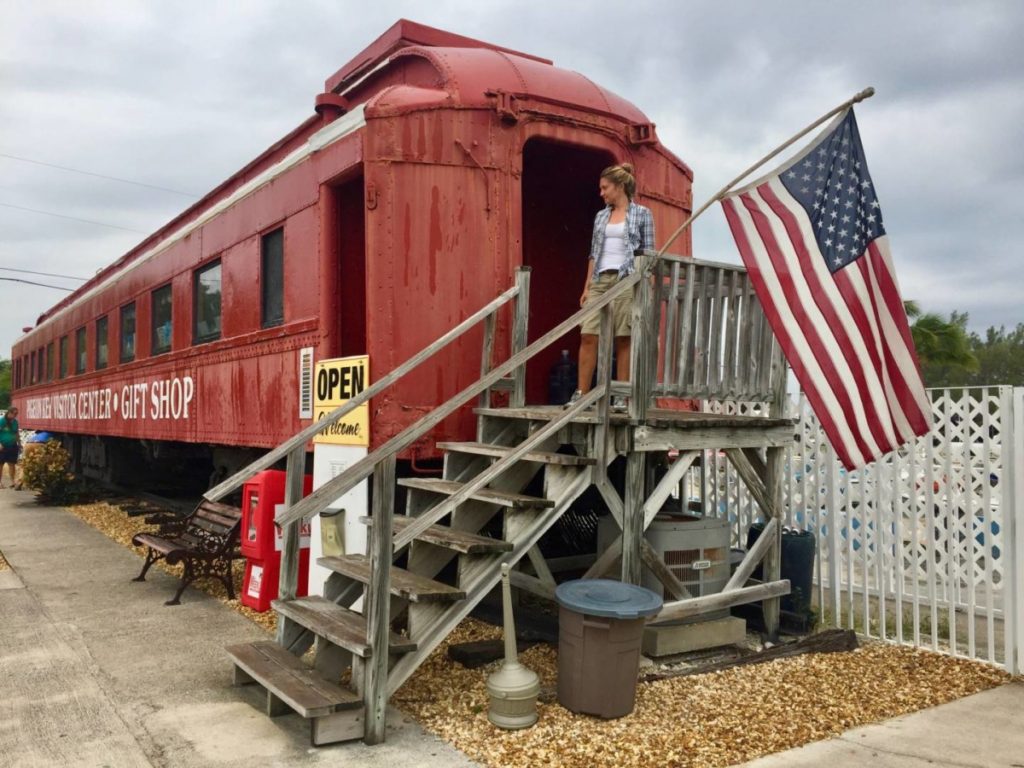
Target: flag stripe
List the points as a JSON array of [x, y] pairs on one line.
[[900, 347], [854, 285], [789, 332], [836, 313]]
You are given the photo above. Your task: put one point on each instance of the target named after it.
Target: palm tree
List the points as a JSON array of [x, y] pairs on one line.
[[941, 342]]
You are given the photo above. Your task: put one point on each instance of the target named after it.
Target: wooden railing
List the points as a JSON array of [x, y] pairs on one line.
[[714, 338]]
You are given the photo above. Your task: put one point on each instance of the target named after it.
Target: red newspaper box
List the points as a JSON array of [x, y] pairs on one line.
[[261, 539]]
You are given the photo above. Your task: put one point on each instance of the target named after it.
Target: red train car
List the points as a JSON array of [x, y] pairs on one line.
[[433, 167]]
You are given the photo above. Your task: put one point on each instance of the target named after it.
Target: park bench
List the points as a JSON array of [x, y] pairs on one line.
[[205, 542]]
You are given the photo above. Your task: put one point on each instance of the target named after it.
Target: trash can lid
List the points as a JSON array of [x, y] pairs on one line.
[[605, 597]]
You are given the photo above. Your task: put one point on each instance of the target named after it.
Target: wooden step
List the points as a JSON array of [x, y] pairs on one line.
[[452, 538], [405, 584], [284, 675], [489, 495], [339, 625], [498, 451]]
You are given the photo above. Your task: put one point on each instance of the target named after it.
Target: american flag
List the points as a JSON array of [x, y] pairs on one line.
[[812, 239]]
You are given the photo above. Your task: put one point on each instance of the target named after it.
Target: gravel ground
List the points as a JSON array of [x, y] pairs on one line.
[[710, 720]]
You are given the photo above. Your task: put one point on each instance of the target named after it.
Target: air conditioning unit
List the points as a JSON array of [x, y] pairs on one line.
[[696, 550]]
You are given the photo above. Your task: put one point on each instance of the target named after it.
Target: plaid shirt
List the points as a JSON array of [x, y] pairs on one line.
[[639, 234]]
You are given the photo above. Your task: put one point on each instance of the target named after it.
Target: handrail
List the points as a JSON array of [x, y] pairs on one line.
[[359, 471], [235, 481]]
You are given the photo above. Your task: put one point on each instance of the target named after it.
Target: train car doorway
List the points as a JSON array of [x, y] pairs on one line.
[[560, 199], [351, 244]]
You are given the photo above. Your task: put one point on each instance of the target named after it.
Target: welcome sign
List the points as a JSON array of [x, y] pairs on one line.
[[335, 383]]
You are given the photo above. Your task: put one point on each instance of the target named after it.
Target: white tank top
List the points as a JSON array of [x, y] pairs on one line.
[[613, 255]]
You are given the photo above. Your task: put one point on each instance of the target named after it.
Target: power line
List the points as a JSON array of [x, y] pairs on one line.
[[72, 218], [44, 274], [98, 175], [31, 282]]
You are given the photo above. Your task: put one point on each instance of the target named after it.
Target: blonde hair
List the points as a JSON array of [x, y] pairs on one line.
[[621, 175]]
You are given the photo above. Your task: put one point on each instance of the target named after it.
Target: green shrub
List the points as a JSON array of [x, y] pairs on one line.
[[45, 470]]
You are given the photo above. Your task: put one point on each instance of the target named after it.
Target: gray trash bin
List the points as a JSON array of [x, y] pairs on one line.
[[600, 629]]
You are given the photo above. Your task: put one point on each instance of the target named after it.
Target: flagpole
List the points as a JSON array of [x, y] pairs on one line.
[[867, 93]]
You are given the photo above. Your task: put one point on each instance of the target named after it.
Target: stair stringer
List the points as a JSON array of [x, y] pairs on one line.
[[565, 484]]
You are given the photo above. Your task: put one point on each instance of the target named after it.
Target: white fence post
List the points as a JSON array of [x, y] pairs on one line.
[[1012, 404]]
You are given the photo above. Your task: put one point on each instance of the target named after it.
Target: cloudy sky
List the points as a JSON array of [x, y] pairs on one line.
[[179, 95]]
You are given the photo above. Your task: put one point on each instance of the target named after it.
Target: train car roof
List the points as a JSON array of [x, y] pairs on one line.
[[471, 73]]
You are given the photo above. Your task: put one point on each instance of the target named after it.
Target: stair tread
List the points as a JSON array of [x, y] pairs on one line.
[[489, 495], [405, 584], [452, 538], [498, 451], [339, 625], [284, 675]]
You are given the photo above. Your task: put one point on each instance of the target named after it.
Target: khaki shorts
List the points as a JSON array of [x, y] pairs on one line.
[[622, 307]]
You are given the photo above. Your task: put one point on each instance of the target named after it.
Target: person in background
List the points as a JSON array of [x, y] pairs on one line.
[[10, 446], [621, 229]]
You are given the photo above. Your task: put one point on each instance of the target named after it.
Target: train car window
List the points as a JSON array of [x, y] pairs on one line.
[[80, 350], [160, 313], [39, 364], [272, 278], [49, 361], [63, 357], [102, 332], [17, 373], [33, 366], [206, 304], [128, 333]]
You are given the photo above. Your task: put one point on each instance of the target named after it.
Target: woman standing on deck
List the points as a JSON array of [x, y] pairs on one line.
[[621, 229]]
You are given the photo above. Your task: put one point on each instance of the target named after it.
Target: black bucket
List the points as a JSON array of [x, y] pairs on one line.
[[798, 548]]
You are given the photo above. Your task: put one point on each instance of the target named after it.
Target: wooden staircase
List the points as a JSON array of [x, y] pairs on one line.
[[698, 333], [423, 608]]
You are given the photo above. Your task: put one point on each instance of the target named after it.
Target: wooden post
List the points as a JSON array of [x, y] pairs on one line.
[[486, 359], [288, 580], [633, 514], [642, 344], [377, 609], [774, 458], [520, 326], [605, 345], [773, 558]]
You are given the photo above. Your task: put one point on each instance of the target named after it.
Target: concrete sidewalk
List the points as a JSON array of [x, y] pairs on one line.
[[96, 671]]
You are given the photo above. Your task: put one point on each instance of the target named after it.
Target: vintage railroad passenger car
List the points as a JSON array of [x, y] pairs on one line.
[[433, 167]]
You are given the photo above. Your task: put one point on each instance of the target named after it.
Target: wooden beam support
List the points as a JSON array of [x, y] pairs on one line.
[[378, 619], [288, 632], [633, 518], [611, 498], [754, 482], [773, 558], [606, 560], [540, 566], [524, 581], [696, 606], [650, 438], [753, 557], [663, 573], [667, 484]]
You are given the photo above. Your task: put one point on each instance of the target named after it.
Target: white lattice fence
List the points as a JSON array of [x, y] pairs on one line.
[[920, 546]]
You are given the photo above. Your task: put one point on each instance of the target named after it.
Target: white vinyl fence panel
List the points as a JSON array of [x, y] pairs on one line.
[[923, 546]]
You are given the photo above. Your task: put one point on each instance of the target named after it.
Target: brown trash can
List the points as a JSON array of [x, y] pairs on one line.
[[600, 629]]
